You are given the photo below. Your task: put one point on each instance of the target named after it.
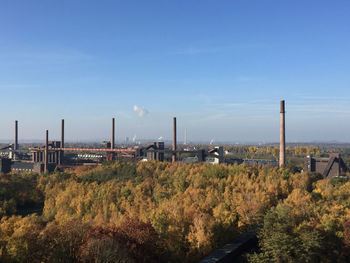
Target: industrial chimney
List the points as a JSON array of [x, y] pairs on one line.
[[282, 136], [113, 133], [16, 136], [174, 140], [46, 157], [61, 153], [62, 133]]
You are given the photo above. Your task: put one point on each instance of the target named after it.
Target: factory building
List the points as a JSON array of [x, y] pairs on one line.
[[329, 167], [7, 165], [53, 156], [22, 167], [155, 151]]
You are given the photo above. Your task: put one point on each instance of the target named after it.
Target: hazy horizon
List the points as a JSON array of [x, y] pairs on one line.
[[169, 142]]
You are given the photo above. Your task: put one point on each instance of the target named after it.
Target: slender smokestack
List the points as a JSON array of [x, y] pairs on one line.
[[16, 136], [174, 140], [113, 133], [282, 136], [46, 151], [62, 133], [61, 153]]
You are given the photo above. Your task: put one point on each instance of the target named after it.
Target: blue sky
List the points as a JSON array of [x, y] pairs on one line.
[[221, 67]]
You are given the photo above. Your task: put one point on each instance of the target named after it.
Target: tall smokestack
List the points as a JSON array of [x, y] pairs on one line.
[[174, 140], [61, 153], [46, 157], [62, 133], [16, 136], [282, 136], [113, 133]]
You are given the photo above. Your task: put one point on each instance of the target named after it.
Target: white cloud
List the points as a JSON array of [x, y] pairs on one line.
[[141, 111]]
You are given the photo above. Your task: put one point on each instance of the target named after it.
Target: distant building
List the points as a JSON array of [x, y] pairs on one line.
[[217, 155], [329, 167], [5, 165], [106, 145], [31, 167], [22, 167], [260, 162], [155, 151]]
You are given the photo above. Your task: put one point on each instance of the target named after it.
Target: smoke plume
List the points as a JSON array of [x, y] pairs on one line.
[[141, 111]]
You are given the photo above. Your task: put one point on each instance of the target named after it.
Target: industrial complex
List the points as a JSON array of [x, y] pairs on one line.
[[55, 154]]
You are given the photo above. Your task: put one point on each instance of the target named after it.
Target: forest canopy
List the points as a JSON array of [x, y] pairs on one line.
[[171, 212]]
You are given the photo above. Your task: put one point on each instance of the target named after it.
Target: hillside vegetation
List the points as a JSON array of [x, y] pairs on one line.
[[164, 212]]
